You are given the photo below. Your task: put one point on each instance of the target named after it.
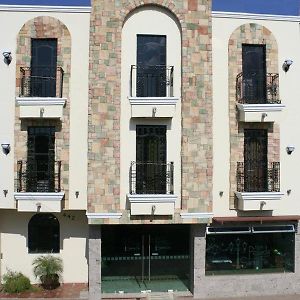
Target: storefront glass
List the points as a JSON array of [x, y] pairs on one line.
[[250, 253]]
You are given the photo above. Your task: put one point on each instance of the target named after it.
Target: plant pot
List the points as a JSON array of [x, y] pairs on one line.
[[50, 282]]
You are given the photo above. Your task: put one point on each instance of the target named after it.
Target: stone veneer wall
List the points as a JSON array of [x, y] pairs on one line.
[[104, 104], [45, 27], [248, 34]]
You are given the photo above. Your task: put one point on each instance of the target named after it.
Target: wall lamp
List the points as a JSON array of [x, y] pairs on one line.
[[286, 65], [7, 57], [290, 149], [5, 148]]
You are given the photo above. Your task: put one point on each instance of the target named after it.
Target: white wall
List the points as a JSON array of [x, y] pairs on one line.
[[73, 245], [156, 21], [288, 39], [78, 25]]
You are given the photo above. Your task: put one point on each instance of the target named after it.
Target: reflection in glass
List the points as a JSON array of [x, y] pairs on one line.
[[249, 253]]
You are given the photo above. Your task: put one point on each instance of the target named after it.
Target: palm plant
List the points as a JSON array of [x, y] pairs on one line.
[[48, 269]]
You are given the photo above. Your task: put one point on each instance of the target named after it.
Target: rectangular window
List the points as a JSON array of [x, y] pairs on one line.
[[151, 167], [250, 253], [255, 160], [254, 73], [41, 159], [151, 66], [43, 67]]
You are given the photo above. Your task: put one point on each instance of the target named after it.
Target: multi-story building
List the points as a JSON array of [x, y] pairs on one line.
[[153, 146], [43, 134]]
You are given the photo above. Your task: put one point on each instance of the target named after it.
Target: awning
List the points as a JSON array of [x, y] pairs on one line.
[[262, 219]]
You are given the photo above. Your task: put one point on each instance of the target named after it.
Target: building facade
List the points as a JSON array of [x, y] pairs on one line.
[[152, 146]]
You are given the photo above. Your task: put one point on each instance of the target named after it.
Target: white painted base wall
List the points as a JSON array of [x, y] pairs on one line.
[[73, 244]]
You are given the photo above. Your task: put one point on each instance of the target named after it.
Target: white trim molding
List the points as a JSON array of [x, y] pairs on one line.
[[43, 8], [196, 215], [259, 196], [250, 16], [151, 198], [260, 107], [38, 196], [38, 101], [103, 215], [153, 100]]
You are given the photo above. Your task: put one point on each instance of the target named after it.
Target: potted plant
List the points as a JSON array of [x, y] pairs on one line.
[[48, 269]]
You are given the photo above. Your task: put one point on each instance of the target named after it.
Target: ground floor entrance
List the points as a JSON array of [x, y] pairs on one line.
[[138, 258]]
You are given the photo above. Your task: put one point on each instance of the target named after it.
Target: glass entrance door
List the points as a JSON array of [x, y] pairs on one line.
[[145, 258]]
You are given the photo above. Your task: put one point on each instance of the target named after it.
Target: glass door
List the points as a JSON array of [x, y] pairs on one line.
[[144, 258]]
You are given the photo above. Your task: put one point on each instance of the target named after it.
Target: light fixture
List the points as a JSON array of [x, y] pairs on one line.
[[77, 194], [5, 148], [290, 149], [286, 65], [5, 192], [7, 57]]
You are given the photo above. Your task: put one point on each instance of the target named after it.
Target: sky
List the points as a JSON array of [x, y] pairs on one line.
[[273, 7]]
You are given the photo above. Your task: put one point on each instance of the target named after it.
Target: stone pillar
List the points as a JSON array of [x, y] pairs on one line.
[[197, 255], [94, 262]]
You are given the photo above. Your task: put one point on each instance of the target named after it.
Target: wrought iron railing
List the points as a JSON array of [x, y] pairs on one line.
[[151, 178], [151, 81], [37, 176], [41, 82], [258, 178], [255, 89]]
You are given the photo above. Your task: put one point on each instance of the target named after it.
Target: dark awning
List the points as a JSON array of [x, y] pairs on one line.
[[262, 219]]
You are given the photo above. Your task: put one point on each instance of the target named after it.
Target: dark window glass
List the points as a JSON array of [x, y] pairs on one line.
[[43, 234], [254, 73], [256, 160], [43, 67], [41, 159], [151, 147], [151, 66], [249, 253]]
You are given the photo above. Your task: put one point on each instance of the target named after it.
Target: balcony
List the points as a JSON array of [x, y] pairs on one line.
[[258, 97], [38, 186], [152, 188], [41, 95], [151, 91], [257, 186]]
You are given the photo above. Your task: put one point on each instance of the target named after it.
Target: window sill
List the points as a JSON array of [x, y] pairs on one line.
[[39, 202]]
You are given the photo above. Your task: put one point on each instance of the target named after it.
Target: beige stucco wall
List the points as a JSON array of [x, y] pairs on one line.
[[78, 26], [288, 48], [73, 247], [141, 22]]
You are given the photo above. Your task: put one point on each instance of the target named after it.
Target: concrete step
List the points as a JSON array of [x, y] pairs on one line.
[[160, 296]]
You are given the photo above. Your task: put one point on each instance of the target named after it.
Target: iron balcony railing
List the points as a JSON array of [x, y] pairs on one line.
[[41, 82], [257, 89], [151, 178], [151, 81], [38, 176], [253, 177]]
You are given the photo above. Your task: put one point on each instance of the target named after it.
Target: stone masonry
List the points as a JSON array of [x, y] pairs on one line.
[[248, 34], [104, 103], [45, 27]]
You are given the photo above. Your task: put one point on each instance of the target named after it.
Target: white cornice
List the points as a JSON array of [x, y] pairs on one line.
[[38, 101], [104, 215], [260, 107], [196, 215], [153, 100], [151, 198], [24, 196], [41, 8], [238, 15], [246, 196]]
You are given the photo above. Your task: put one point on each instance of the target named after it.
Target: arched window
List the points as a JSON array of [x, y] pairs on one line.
[[43, 234]]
